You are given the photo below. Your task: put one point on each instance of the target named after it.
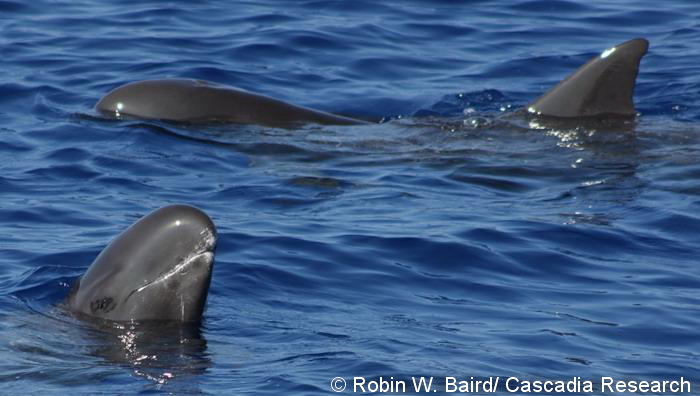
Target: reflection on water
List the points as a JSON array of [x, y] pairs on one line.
[[80, 351], [458, 236], [159, 352]]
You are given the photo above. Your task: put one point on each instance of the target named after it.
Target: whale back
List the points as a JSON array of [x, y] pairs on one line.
[[197, 101]]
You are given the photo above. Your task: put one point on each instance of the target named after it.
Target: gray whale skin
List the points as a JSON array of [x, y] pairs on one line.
[[159, 269], [602, 87]]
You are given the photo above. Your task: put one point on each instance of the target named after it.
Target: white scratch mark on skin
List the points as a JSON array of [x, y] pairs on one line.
[[204, 250], [209, 256]]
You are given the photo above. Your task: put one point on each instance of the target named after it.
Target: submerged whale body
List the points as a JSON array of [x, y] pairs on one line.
[[157, 269], [604, 86]]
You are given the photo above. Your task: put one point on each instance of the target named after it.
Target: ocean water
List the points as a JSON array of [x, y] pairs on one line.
[[444, 241]]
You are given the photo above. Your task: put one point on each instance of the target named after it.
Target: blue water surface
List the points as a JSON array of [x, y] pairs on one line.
[[446, 241]]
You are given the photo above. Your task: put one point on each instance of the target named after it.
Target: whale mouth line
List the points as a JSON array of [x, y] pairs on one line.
[[204, 250], [208, 256]]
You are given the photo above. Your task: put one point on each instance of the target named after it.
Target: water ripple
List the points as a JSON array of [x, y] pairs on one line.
[[454, 237]]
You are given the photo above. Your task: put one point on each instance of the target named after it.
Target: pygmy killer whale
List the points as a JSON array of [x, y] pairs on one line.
[[157, 269], [602, 87], [193, 101]]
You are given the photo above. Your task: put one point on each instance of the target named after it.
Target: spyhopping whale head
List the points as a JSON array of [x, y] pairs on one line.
[[157, 269]]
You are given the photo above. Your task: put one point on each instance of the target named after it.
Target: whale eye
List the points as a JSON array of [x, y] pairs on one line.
[[104, 305]]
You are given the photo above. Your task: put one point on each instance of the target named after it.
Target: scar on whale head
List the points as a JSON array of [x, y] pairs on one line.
[[604, 86], [157, 269]]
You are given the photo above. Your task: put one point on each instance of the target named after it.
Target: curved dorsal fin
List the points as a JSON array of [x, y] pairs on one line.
[[603, 86]]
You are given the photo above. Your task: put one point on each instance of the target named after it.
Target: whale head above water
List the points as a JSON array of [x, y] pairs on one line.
[[604, 86], [157, 269]]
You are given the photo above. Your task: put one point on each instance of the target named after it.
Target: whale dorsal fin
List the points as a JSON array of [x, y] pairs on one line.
[[603, 86]]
